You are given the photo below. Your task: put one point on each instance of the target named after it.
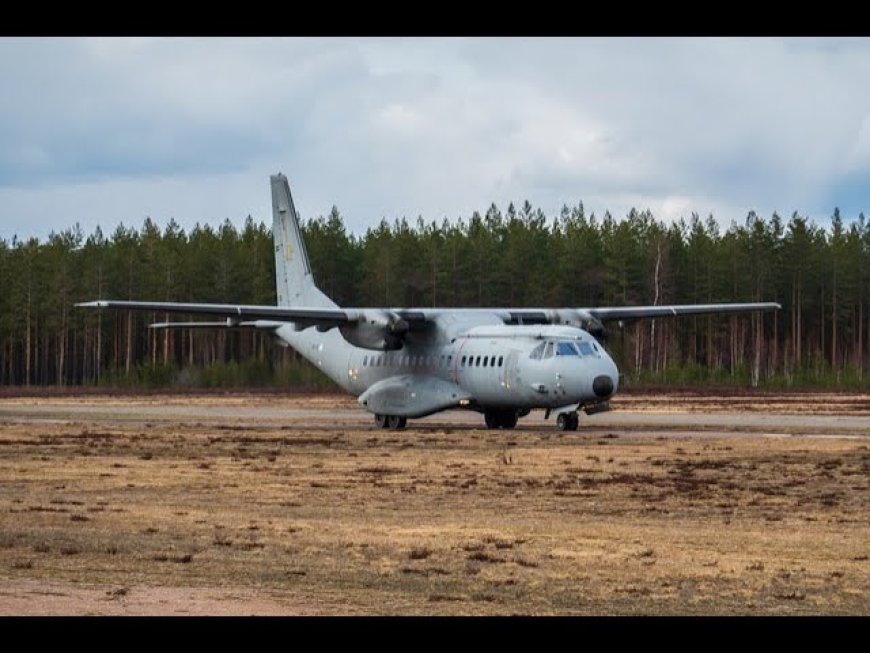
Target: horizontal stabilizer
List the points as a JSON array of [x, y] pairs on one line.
[[228, 324]]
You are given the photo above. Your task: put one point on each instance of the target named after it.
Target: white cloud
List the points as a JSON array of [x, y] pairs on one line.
[[99, 130]]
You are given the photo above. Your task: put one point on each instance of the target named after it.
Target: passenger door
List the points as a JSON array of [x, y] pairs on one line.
[[512, 378]]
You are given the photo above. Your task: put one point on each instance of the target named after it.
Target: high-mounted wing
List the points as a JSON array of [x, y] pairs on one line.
[[237, 315], [594, 318], [370, 328], [386, 328], [610, 313]]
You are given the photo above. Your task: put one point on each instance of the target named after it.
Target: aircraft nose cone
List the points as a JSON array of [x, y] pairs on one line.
[[602, 386]]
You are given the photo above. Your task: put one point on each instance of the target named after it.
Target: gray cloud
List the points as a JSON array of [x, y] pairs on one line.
[[103, 130]]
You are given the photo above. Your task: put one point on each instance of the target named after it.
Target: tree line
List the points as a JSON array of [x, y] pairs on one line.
[[519, 257]]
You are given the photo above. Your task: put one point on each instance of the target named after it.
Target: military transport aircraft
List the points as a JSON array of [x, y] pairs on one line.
[[411, 362]]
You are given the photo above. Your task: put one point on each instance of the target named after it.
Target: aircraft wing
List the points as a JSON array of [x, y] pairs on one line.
[[401, 320], [610, 313], [237, 315]]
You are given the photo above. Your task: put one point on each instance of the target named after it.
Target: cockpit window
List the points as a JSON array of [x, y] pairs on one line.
[[585, 348], [565, 349], [537, 352], [548, 353]]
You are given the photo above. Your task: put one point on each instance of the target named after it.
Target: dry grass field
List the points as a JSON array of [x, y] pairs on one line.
[[222, 514]]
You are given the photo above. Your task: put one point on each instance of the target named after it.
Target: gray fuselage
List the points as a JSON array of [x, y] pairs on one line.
[[492, 363]]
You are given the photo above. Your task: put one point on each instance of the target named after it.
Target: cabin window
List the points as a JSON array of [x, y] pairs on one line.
[[477, 362], [449, 360], [500, 360], [463, 361], [537, 352], [548, 352], [485, 360], [565, 348], [365, 361]]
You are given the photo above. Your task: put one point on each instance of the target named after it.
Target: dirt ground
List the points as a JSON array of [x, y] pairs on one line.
[[213, 511]]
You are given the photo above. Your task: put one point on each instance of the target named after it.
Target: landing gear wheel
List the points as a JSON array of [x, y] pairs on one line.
[[500, 419], [568, 421], [394, 422], [381, 421]]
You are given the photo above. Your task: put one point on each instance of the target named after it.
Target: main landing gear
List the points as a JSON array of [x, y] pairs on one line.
[[500, 419], [391, 422], [568, 421]]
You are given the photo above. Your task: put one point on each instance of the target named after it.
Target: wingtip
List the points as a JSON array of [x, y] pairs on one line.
[[95, 304]]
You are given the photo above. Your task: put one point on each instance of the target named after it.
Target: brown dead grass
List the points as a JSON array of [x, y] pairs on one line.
[[426, 521]]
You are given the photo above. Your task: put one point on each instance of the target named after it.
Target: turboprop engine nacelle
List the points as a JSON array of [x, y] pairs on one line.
[[579, 318], [378, 330]]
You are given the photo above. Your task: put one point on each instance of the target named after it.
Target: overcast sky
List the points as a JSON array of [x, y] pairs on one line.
[[103, 131]]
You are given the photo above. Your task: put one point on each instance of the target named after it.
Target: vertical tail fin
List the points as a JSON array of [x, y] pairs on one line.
[[295, 283]]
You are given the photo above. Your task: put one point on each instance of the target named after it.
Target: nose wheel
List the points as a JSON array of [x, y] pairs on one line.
[[568, 421], [391, 422]]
